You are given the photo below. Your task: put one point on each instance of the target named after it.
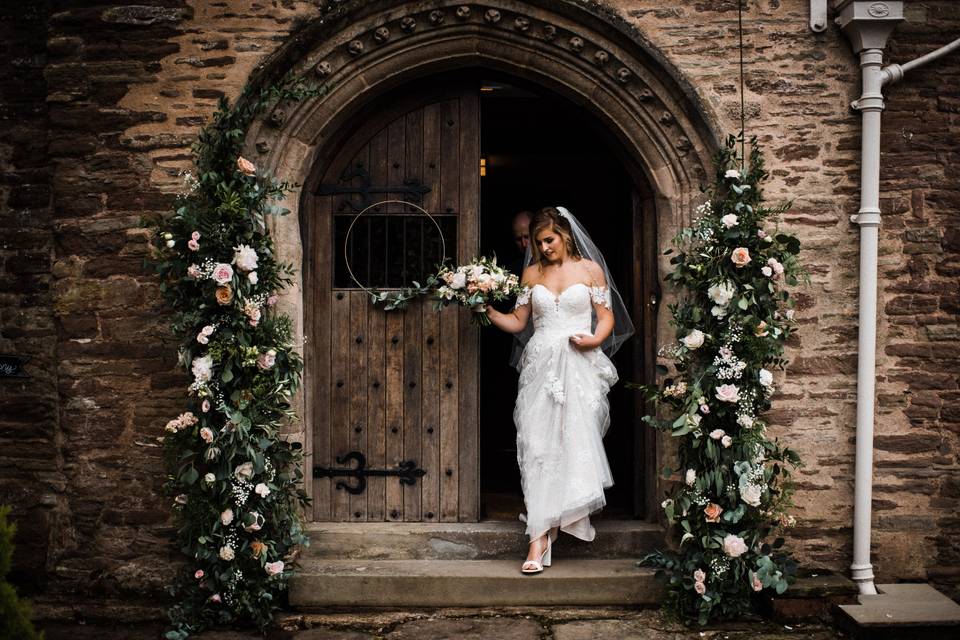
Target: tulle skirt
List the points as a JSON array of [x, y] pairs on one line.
[[562, 413]]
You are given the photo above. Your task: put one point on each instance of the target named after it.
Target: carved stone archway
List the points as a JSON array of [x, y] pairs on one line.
[[576, 49]]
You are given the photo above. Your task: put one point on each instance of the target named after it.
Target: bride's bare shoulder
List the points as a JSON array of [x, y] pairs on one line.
[[531, 275]]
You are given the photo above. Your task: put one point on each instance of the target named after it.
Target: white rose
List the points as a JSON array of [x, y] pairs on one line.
[[171, 243], [210, 478], [730, 220], [719, 311], [252, 277], [458, 281], [734, 546], [202, 368], [731, 173], [694, 339], [789, 314], [245, 257], [750, 494], [226, 553], [767, 271], [716, 434], [262, 490], [691, 477], [766, 377], [244, 471], [226, 517], [721, 293], [745, 421], [726, 441]]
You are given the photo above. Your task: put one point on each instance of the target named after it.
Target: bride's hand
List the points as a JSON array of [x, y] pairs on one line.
[[584, 341]]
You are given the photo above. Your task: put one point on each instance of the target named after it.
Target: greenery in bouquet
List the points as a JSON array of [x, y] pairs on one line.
[[235, 482], [732, 320], [475, 285]]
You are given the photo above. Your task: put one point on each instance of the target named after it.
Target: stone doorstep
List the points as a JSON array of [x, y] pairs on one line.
[[900, 608], [470, 583], [471, 540]]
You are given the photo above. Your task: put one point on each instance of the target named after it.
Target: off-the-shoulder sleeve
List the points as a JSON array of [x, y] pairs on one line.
[[601, 295], [523, 298]]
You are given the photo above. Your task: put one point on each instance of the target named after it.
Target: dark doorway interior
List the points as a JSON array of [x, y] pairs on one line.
[[541, 149]]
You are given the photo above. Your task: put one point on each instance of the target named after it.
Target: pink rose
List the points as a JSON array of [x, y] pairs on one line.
[[267, 360], [193, 271], [193, 245], [700, 588], [728, 393], [198, 574], [740, 256], [206, 434], [246, 167], [734, 546], [226, 517], [726, 441], [755, 582], [716, 434], [704, 409], [272, 300], [215, 598], [699, 575], [774, 264], [222, 273], [273, 568], [195, 235], [205, 405]]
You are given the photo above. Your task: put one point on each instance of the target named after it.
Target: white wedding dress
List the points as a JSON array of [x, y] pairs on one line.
[[562, 413]]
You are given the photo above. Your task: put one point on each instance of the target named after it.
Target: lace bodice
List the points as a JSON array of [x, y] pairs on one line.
[[571, 310]]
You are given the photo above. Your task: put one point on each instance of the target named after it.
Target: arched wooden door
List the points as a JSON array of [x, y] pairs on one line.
[[394, 386]]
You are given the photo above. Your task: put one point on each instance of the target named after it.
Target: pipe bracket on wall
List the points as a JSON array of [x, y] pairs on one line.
[[818, 15]]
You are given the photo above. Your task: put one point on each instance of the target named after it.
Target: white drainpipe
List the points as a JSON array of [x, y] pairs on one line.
[[868, 24]]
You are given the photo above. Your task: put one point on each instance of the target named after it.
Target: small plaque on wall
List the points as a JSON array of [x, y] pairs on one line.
[[12, 366]]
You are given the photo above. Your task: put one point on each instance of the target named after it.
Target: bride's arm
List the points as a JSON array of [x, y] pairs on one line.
[[600, 296], [512, 322], [516, 320]]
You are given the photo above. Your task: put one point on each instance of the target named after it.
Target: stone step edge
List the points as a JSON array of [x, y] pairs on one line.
[[446, 583]]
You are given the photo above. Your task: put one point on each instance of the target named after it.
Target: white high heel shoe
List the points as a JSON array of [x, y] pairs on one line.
[[536, 566]]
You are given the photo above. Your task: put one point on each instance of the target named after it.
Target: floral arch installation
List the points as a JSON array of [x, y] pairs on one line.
[[578, 50]]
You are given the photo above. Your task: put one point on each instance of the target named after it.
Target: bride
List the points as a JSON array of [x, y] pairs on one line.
[[562, 412]]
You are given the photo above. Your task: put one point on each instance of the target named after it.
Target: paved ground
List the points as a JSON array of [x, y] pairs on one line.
[[472, 624]]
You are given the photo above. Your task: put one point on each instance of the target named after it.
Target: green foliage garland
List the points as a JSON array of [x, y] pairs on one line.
[[15, 614], [236, 483], [732, 321]]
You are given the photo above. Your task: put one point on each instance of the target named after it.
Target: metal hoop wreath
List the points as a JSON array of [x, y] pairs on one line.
[[346, 239]]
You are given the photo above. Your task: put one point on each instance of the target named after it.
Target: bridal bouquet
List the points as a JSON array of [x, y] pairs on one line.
[[475, 285]]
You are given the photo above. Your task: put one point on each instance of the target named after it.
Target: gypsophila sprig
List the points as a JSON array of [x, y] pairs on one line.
[[732, 320], [237, 483]]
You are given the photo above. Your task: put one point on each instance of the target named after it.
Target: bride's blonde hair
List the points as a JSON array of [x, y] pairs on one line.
[[550, 218]]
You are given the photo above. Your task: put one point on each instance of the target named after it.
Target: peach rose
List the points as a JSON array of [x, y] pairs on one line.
[[224, 295], [740, 256], [256, 548], [246, 167], [712, 511], [761, 329]]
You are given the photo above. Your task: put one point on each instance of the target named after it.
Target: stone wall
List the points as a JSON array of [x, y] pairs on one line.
[[100, 106]]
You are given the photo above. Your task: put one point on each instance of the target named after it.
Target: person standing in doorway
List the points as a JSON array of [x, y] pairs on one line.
[[520, 226]]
